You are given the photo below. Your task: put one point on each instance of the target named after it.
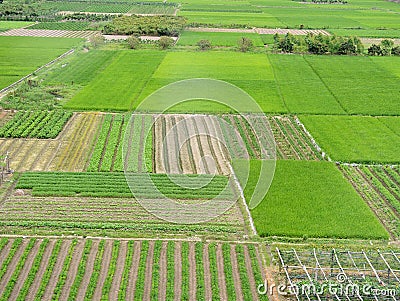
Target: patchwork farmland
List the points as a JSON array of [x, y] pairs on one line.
[[113, 189]]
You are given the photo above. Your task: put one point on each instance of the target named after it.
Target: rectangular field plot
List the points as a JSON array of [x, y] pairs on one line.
[[356, 138], [20, 56], [301, 88], [91, 269], [379, 186], [261, 19], [250, 136], [5, 25], [68, 152], [251, 72], [119, 84], [115, 185], [311, 199], [189, 145], [349, 80]]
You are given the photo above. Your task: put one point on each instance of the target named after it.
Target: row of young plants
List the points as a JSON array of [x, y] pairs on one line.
[[115, 185], [146, 268], [17, 270], [371, 184], [107, 154], [35, 124]]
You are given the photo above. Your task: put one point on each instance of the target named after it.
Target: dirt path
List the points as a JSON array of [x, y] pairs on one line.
[[192, 272], [40, 155], [108, 246], [105, 143], [119, 269], [5, 251], [142, 145], [162, 285], [158, 138], [189, 146], [73, 269], [89, 270], [178, 271], [250, 274], [130, 290], [48, 294], [11, 267], [207, 273], [188, 166], [194, 143], [221, 274], [42, 269], [149, 272], [25, 270], [172, 146], [236, 274], [220, 155]]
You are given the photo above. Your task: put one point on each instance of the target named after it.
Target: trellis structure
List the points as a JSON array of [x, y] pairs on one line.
[[340, 275]]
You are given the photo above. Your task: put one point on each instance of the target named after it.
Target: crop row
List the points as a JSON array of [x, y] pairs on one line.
[[108, 7], [120, 144], [98, 260], [61, 26], [114, 184], [35, 124], [379, 187], [258, 132], [107, 154]]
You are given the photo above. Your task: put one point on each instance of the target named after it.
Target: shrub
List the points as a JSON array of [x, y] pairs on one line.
[[165, 42], [245, 44], [96, 40], [204, 45], [133, 42]]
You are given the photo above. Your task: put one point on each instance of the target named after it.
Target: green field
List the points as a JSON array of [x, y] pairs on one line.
[[61, 25], [250, 72], [367, 33], [119, 84], [293, 14], [336, 85], [6, 25], [355, 138], [359, 85], [190, 38], [20, 56], [310, 199]]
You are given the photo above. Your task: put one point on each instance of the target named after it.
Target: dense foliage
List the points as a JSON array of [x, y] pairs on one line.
[[38, 124], [318, 44], [146, 25], [385, 48]]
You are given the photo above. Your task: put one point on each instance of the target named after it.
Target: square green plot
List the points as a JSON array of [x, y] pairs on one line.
[[117, 86], [250, 72], [360, 85], [301, 88], [361, 139], [311, 199]]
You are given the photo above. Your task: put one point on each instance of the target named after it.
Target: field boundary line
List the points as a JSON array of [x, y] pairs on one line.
[[325, 84], [136, 98], [390, 129], [236, 180], [37, 70], [277, 84], [319, 149]]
